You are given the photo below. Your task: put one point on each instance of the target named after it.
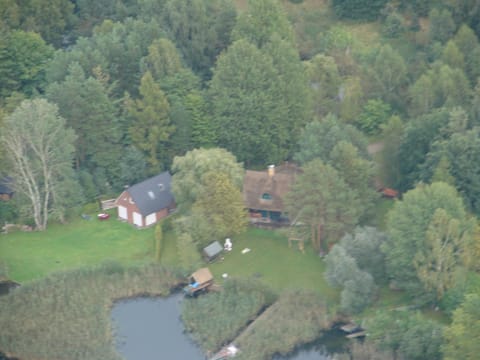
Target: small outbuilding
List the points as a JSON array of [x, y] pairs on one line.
[[199, 281], [212, 251]]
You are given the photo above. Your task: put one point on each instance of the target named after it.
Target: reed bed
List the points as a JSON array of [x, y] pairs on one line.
[[294, 319], [217, 318], [67, 315]]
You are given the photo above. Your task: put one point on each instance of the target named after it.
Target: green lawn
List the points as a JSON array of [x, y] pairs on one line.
[[32, 255], [272, 261]]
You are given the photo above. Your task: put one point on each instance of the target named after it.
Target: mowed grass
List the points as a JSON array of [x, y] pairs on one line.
[[81, 243], [271, 260], [33, 255]]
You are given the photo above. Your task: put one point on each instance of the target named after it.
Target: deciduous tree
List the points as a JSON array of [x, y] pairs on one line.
[[321, 199], [408, 227], [40, 148], [462, 334], [189, 171]]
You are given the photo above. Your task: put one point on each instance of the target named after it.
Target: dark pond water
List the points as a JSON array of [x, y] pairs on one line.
[[150, 329], [6, 287]]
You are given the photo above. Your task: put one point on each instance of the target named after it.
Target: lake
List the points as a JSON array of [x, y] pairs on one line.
[[151, 329]]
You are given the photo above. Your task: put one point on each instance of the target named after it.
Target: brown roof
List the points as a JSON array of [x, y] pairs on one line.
[[257, 183], [202, 275]]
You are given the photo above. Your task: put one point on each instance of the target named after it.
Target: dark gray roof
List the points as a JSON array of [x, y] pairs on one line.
[[5, 185], [213, 249], [153, 194]]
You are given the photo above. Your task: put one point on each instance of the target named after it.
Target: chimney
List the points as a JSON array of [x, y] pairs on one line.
[[271, 171]]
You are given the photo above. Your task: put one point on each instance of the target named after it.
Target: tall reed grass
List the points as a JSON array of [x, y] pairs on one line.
[[294, 319], [215, 319], [67, 315]]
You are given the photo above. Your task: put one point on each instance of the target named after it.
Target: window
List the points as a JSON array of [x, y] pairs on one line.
[[151, 195], [266, 196]]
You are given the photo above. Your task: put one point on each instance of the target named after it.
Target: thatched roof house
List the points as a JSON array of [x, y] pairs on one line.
[[264, 191]]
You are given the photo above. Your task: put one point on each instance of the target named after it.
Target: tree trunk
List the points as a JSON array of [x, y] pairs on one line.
[[319, 238]]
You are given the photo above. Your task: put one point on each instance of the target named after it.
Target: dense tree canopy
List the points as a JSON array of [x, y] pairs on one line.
[[417, 248], [322, 200], [189, 170]]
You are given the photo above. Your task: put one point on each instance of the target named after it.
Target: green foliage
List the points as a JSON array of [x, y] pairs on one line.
[[189, 170], [340, 266], [375, 114], [393, 25], [364, 245], [50, 19], [40, 148], [408, 227], [263, 19], [467, 43], [419, 135], [189, 258], [389, 74], [203, 132], [450, 88], [114, 48], [295, 318], [462, 334], [133, 167], [357, 293], [389, 162], [221, 205], [259, 100], [324, 78], [8, 212], [82, 297], [158, 241], [358, 9], [358, 286], [217, 318], [320, 137], [150, 129], [322, 200], [358, 173], [406, 335], [200, 29], [442, 25], [87, 108], [23, 59], [446, 241]]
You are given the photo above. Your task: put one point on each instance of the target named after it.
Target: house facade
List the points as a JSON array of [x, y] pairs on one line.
[[145, 203], [264, 192]]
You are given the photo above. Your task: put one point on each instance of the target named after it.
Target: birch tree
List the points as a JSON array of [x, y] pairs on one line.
[[41, 152]]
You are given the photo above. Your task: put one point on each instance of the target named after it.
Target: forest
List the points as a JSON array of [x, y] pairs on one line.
[[98, 95]]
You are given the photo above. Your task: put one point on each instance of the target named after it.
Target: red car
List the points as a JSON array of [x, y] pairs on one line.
[[103, 216]]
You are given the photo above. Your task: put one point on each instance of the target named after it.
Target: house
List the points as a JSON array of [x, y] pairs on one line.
[[6, 191], [264, 191], [145, 203]]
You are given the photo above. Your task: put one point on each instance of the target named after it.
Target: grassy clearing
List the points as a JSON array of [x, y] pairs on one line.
[[67, 315], [33, 255], [274, 263]]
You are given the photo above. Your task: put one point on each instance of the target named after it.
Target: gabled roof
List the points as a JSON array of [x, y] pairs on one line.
[[213, 249], [258, 183], [5, 185], [202, 275], [153, 194]]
